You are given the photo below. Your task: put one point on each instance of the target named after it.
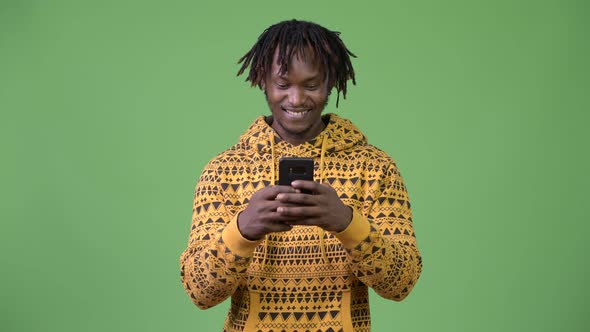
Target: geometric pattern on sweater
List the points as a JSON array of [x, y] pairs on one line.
[[291, 282]]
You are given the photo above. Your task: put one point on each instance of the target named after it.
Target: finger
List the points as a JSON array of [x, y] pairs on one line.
[[276, 217], [269, 193], [296, 199], [310, 186], [299, 211], [274, 204]]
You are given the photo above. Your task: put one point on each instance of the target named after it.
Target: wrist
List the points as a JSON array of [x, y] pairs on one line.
[[240, 226], [346, 220], [235, 241]]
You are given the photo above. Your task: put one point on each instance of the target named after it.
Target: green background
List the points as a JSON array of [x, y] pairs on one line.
[[110, 110]]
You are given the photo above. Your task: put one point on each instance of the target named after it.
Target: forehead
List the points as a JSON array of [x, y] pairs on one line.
[[302, 62]]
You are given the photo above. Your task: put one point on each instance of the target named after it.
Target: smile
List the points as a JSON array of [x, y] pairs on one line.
[[297, 114]]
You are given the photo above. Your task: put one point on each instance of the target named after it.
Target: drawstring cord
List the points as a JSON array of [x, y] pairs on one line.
[[321, 232], [273, 182]]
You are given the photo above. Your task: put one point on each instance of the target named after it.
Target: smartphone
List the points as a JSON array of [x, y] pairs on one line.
[[291, 169]]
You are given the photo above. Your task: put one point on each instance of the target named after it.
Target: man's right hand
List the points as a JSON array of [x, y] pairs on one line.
[[261, 217]]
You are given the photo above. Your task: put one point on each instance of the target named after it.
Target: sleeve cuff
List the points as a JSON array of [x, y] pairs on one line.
[[358, 229], [234, 240]]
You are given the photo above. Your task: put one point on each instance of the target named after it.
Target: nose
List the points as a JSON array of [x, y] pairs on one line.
[[296, 96]]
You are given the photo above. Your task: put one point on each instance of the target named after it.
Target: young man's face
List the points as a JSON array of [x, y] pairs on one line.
[[297, 99]]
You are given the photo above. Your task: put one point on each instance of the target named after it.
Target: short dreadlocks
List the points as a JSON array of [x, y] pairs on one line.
[[293, 37]]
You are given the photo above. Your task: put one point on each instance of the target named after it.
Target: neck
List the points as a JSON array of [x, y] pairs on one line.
[[295, 139]]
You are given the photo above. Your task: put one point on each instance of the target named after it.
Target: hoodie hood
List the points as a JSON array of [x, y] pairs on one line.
[[339, 134]]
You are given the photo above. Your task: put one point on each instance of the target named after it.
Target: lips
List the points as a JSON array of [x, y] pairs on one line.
[[297, 113]]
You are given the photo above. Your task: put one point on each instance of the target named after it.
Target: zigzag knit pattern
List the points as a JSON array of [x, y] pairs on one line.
[[296, 288]]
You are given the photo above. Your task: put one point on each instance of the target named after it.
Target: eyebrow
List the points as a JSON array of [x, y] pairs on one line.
[[284, 77]]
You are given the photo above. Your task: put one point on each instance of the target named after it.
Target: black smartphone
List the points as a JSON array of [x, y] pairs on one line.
[[291, 169]]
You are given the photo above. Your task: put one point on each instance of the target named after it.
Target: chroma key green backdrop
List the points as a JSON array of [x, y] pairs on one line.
[[110, 109]]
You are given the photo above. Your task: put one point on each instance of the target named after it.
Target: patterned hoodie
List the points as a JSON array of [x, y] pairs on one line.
[[304, 279]]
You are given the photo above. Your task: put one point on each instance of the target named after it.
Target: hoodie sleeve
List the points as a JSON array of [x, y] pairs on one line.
[[217, 255], [382, 245]]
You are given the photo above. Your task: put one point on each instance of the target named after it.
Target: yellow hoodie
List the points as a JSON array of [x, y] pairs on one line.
[[304, 279]]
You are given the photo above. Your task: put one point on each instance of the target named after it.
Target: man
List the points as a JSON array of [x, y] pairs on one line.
[[293, 261]]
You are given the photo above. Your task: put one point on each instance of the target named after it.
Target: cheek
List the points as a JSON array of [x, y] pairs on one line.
[[273, 97], [320, 97]]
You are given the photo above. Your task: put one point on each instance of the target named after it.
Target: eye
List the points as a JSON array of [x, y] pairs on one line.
[[311, 87], [281, 85]]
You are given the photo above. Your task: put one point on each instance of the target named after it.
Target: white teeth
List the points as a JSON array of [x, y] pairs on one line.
[[297, 114]]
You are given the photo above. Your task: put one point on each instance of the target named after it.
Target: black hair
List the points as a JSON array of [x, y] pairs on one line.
[[294, 37]]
